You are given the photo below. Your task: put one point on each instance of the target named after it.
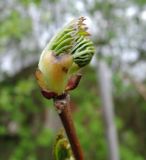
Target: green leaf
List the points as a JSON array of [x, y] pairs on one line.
[[62, 150]]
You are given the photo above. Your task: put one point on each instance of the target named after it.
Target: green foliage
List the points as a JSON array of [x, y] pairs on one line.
[[141, 2], [27, 2], [130, 111], [122, 88], [127, 154], [14, 25], [22, 105], [45, 137]]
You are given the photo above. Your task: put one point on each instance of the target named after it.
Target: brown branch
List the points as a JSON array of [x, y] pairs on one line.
[[62, 104]]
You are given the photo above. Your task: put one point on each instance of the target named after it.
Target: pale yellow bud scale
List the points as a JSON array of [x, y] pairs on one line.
[[55, 71]]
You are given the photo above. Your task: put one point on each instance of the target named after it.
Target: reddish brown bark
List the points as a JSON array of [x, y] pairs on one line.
[[62, 104]]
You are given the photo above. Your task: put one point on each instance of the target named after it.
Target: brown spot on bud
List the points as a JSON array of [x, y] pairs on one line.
[[64, 69]]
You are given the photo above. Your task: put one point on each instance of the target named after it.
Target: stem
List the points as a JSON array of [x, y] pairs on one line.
[[62, 103]]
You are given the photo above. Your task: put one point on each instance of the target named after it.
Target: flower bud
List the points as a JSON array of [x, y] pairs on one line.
[[68, 51]]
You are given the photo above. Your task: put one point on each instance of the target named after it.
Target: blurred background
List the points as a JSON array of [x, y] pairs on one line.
[[108, 107]]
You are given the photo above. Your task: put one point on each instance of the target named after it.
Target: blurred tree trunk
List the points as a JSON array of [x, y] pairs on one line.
[[51, 119], [104, 80]]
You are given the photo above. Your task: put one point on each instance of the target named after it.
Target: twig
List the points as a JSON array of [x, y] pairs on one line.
[[62, 104]]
